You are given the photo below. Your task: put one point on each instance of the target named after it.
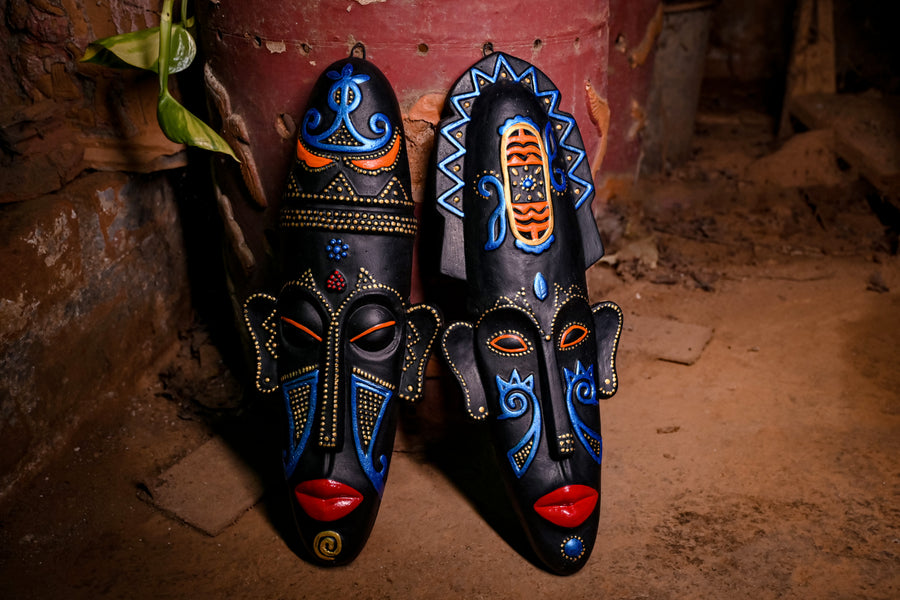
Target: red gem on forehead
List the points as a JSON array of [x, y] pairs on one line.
[[336, 282]]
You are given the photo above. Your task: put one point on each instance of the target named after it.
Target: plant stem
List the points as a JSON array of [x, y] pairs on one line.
[[165, 36]]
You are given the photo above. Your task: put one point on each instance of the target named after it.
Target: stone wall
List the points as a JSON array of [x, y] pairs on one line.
[[93, 280]]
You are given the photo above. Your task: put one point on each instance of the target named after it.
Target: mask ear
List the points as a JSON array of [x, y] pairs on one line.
[[422, 325], [459, 351], [261, 320], [608, 329]]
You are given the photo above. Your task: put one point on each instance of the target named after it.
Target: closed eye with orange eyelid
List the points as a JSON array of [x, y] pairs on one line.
[[373, 330], [509, 343], [303, 328], [573, 334]]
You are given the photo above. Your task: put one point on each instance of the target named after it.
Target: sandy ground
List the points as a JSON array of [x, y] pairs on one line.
[[769, 468]]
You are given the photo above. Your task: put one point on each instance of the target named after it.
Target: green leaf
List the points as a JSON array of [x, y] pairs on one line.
[[140, 49], [176, 121], [181, 126]]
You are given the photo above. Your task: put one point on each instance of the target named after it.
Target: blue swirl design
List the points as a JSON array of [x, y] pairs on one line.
[[343, 98], [361, 408], [497, 221], [535, 249], [305, 387], [581, 386], [515, 396], [463, 118]]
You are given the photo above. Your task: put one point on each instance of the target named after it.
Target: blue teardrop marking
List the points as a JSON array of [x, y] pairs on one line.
[[540, 287]]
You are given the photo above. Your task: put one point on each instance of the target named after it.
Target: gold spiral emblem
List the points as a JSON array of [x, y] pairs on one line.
[[327, 545]]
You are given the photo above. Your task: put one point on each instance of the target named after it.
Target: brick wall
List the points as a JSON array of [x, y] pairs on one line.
[[93, 282]]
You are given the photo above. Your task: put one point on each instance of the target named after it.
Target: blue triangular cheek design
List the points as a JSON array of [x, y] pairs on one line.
[[515, 397], [369, 404], [581, 386], [300, 402]]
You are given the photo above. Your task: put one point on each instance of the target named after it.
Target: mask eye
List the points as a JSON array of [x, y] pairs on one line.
[[303, 328], [509, 343], [573, 335], [372, 328]]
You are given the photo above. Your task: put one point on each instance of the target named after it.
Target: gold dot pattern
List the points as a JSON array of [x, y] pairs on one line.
[[522, 455], [566, 443], [368, 406], [340, 190], [595, 444], [349, 221], [299, 403]]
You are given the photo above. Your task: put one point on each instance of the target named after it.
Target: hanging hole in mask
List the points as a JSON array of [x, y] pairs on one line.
[[372, 328]]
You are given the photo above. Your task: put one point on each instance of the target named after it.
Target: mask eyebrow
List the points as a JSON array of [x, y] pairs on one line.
[[382, 161], [302, 328], [312, 161]]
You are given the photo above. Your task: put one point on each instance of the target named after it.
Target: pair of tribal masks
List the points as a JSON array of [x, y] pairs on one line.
[[340, 343]]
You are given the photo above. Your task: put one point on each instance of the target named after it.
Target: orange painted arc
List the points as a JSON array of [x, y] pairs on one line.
[[311, 160], [381, 162], [303, 328], [373, 329]]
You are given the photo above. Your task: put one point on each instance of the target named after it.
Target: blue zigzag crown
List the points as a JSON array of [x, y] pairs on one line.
[[462, 102]]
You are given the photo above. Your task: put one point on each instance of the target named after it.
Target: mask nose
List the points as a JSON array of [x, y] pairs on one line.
[[329, 418], [558, 428]]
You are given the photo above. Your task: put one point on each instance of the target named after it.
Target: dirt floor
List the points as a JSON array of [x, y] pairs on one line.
[[769, 468]]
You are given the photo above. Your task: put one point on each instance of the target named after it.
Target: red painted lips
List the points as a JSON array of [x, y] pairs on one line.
[[327, 500], [568, 506]]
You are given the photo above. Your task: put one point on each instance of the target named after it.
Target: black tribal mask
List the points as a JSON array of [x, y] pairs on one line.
[[340, 342], [534, 357]]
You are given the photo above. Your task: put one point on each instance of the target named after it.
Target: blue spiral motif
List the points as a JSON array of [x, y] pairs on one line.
[[582, 387], [515, 396], [344, 97]]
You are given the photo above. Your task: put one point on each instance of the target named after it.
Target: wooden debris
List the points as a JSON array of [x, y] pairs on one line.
[[866, 132], [811, 68]]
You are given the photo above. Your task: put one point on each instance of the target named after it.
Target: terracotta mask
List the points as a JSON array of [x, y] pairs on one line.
[[534, 357], [340, 344]]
